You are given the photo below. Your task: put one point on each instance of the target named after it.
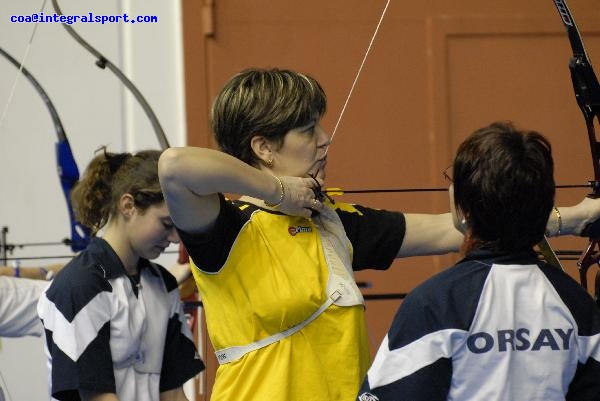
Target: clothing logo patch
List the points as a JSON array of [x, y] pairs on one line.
[[367, 397], [299, 229], [521, 339]]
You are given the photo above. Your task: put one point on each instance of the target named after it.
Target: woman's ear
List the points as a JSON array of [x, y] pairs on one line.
[[126, 205], [463, 222], [263, 149], [458, 217]]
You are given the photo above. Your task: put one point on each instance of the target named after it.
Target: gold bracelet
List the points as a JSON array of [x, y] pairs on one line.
[[559, 230], [278, 203]]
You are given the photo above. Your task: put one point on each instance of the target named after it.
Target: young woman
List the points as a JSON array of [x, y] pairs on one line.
[[500, 325], [275, 267], [115, 328]]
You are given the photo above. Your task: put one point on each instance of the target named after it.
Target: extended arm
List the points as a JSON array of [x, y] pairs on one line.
[[429, 234], [434, 234], [18, 314], [37, 273]]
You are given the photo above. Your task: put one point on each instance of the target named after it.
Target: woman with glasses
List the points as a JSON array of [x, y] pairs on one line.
[[500, 325]]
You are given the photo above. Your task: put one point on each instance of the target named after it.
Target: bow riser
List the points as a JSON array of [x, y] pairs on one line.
[[587, 95], [69, 176]]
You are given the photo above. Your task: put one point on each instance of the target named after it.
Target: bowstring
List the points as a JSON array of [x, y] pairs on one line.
[[21, 66], [360, 68]]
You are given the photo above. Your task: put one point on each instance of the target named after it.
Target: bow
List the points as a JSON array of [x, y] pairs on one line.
[[103, 62], [66, 165], [587, 94], [65, 162]]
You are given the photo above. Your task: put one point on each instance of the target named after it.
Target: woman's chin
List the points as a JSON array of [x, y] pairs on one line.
[[153, 253]]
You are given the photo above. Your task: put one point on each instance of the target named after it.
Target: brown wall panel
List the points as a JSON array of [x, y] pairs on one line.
[[436, 71]]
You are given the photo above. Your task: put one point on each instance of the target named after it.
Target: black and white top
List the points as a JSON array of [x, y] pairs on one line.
[[491, 328], [107, 334]]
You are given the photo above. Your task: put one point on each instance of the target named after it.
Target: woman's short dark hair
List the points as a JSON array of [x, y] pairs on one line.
[[267, 102], [504, 185]]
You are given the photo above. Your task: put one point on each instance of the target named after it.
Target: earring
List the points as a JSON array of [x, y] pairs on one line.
[[269, 163]]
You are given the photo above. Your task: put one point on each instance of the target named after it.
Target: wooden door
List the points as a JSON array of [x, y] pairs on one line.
[[436, 71]]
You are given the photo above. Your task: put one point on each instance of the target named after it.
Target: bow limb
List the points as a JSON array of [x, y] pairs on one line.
[[66, 165], [103, 63], [587, 95], [548, 253]]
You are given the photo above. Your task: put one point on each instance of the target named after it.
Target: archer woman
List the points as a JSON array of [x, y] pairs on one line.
[[275, 267]]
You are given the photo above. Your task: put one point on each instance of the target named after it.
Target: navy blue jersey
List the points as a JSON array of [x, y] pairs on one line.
[[108, 334], [491, 328]]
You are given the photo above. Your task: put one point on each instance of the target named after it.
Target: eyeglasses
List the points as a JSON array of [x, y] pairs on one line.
[[447, 175]]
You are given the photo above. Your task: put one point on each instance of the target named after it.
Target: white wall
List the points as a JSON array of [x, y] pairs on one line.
[[95, 109]]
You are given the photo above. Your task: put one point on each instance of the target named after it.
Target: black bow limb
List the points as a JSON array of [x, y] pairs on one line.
[[587, 94]]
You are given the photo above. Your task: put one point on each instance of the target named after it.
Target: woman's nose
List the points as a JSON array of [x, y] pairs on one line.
[[173, 236], [324, 139]]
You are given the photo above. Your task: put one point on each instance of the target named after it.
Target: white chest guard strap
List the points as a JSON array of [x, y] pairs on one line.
[[337, 248], [234, 353]]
